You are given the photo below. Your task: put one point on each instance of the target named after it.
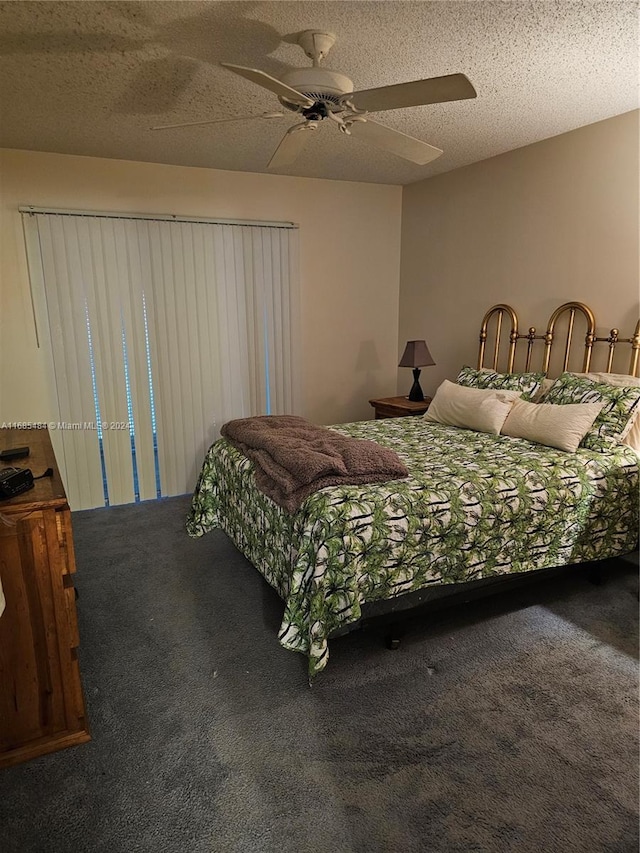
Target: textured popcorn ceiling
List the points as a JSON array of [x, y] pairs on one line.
[[93, 77]]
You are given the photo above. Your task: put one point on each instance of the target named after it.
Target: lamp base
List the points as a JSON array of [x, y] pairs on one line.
[[416, 395]]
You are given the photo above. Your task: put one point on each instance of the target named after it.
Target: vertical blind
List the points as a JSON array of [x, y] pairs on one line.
[[159, 332]]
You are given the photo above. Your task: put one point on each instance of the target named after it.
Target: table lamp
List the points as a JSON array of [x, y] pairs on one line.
[[416, 355]]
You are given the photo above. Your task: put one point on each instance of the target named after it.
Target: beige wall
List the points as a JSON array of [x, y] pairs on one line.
[[349, 265], [536, 227]]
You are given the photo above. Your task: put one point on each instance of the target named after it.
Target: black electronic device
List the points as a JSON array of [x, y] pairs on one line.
[[14, 481], [14, 453]]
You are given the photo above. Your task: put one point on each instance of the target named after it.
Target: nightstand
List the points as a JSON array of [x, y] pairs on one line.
[[398, 407]]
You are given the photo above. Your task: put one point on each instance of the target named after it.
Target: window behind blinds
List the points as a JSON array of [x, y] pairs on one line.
[[159, 331]]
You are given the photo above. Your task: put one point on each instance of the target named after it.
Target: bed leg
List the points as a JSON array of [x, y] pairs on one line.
[[393, 636]]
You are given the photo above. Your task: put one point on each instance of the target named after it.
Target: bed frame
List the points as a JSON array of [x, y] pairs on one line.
[[549, 338], [387, 612]]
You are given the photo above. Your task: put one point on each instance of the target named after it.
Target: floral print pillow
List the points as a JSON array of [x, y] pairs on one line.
[[622, 405], [526, 383]]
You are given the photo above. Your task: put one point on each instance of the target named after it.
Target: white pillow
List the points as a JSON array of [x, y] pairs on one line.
[[483, 410], [632, 437], [563, 426]]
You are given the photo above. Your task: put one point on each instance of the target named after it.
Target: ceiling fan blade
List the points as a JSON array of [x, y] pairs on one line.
[[435, 90], [395, 141], [216, 121], [268, 82], [290, 147]]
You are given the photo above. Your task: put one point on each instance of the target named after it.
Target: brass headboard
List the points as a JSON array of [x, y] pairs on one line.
[[572, 308]]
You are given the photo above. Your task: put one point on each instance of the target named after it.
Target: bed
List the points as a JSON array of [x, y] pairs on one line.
[[475, 506]]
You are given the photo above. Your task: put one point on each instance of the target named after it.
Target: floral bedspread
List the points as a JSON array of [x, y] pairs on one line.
[[474, 506]]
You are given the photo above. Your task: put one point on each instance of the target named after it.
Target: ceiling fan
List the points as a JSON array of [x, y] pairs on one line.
[[316, 94]]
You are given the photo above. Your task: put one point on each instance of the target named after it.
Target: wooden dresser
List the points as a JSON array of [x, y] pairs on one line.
[[41, 700]]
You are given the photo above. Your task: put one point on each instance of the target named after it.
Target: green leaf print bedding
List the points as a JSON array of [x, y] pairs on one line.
[[474, 506]]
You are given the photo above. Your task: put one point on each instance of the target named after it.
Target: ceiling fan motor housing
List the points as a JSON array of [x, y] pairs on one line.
[[319, 84], [316, 44]]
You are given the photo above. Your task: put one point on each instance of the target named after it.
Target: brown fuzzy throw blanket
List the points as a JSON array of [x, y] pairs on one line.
[[294, 457]]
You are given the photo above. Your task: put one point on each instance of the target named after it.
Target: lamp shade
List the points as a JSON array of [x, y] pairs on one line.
[[416, 354]]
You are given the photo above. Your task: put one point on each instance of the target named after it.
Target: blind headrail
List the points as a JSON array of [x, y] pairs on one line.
[[153, 217]]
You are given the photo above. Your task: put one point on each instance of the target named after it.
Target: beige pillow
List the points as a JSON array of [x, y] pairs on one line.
[[563, 426], [632, 437], [631, 434], [619, 380], [483, 410]]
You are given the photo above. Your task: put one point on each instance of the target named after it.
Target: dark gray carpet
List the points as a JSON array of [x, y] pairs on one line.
[[507, 725]]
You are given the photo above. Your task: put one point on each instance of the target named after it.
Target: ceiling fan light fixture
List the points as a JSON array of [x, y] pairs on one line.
[[318, 83]]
